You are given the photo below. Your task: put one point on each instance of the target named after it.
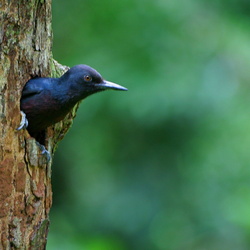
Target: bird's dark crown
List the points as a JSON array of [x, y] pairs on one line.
[[82, 74]]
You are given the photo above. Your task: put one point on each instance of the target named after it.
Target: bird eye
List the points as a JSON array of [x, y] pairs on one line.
[[87, 78]]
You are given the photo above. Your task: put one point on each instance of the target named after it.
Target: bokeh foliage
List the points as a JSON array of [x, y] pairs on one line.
[[166, 164]]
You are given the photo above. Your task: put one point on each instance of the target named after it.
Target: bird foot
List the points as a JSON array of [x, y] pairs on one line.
[[44, 151], [24, 122]]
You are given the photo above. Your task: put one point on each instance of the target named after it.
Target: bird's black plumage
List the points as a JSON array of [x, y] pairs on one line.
[[46, 101]]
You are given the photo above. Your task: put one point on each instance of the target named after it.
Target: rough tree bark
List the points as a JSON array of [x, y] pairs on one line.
[[25, 177]]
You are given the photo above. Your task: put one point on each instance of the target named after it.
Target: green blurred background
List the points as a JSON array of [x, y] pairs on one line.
[[166, 164]]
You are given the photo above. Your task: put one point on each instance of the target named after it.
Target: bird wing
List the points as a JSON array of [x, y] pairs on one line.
[[32, 87]]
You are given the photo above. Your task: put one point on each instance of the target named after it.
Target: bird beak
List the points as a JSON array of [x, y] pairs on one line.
[[110, 85]]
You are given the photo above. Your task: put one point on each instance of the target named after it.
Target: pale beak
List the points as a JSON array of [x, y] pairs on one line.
[[110, 85]]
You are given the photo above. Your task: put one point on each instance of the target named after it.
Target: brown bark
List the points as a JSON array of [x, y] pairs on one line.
[[25, 177]]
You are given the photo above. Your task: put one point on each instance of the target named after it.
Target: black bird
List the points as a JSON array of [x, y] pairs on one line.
[[46, 101]]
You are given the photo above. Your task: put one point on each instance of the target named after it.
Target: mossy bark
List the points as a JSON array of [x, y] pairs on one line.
[[25, 176]]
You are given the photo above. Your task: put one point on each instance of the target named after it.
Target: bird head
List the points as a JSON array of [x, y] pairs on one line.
[[86, 81]]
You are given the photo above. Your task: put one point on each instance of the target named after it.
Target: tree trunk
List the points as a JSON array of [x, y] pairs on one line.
[[25, 176]]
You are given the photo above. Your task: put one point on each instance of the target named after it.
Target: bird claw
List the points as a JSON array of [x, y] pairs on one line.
[[24, 122], [44, 151], [23, 125]]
